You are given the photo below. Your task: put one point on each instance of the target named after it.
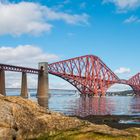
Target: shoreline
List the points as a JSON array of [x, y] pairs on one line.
[[112, 120], [24, 119]]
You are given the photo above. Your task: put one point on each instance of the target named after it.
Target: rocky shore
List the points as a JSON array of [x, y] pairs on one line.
[[114, 121], [23, 119]]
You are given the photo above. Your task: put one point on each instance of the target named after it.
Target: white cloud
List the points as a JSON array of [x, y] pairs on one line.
[[132, 19], [21, 18], [119, 87], [32, 18], [24, 55], [124, 4], [70, 19], [122, 70], [59, 83]]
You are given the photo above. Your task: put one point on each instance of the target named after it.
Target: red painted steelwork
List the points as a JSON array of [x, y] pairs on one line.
[[6, 67], [134, 82], [87, 73]]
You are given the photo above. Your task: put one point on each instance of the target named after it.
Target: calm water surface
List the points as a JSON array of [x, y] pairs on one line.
[[71, 103]]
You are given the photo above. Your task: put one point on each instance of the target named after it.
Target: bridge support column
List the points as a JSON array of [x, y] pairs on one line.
[[24, 89], [43, 86], [102, 94], [2, 82]]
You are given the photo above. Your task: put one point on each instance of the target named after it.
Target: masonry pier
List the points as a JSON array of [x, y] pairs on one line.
[[24, 89], [42, 90], [2, 82], [43, 87]]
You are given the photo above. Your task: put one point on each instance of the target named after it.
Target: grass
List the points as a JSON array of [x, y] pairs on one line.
[[76, 135]]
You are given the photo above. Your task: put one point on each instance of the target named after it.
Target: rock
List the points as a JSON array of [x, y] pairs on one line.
[[23, 119], [7, 133]]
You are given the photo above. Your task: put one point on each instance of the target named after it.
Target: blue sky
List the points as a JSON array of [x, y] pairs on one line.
[[61, 29]]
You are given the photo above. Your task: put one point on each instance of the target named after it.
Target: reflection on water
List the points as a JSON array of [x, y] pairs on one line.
[[91, 106], [71, 103], [113, 105]]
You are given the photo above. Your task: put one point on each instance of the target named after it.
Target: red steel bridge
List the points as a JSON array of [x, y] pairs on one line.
[[89, 74]]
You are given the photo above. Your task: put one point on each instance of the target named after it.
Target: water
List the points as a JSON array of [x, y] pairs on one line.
[[71, 103], [129, 121]]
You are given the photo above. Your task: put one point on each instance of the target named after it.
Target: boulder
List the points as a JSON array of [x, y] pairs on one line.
[[24, 119]]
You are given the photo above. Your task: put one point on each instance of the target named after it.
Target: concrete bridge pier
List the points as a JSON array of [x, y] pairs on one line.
[[2, 82], [24, 89], [43, 87]]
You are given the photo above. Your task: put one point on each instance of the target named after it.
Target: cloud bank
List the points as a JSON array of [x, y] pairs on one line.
[[25, 55], [124, 5], [122, 70], [32, 18], [132, 19]]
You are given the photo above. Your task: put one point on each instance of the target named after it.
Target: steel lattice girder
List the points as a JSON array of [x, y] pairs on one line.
[[134, 82], [6, 67], [87, 73]]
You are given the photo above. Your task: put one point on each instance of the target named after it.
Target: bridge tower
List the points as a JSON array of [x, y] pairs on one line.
[[2, 82], [24, 89], [42, 91]]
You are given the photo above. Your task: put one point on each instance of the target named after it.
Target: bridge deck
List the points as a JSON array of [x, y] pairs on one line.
[[18, 69]]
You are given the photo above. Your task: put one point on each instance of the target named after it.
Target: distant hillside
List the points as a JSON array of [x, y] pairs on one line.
[[121, 93]]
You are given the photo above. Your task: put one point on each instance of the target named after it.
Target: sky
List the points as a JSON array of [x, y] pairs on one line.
[[51, 30]]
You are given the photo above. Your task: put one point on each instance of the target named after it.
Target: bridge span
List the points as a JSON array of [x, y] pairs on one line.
[[89, 74]]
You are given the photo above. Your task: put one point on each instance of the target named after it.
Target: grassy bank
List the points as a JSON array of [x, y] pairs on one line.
[[107, 128], [78, 135]]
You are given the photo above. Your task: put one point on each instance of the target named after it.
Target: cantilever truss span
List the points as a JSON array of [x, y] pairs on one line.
[[87, 73], [134, 82]]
